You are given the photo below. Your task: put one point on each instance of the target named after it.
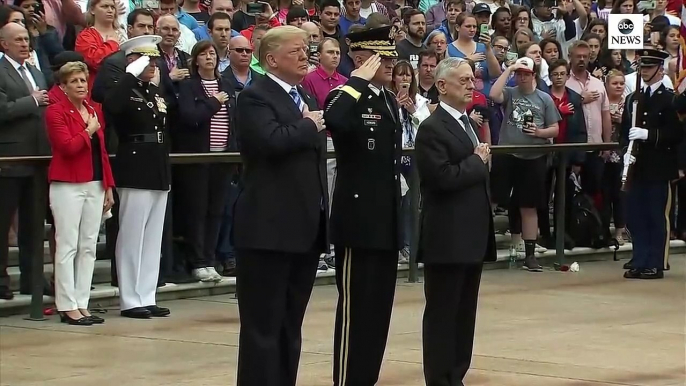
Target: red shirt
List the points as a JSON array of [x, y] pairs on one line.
[[562, 133], [72, 158], [89, 43], [478, 99]]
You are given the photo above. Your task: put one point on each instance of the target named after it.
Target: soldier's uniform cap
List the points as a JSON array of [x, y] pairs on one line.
[[378, 40], [652, 57], [145, 45]]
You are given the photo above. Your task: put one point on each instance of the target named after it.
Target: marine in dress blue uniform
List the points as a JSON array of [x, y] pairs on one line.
[[362, 117], [653, 167], [142, 174]]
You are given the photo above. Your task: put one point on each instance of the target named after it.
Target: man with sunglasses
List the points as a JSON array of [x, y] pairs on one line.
[[239, 72]]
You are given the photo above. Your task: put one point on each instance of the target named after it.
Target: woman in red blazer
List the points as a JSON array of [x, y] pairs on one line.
[[80, 191]]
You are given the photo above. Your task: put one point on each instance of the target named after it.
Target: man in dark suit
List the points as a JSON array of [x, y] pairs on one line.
[[456, 227], [366, 225], [23, 97], [280, 219]]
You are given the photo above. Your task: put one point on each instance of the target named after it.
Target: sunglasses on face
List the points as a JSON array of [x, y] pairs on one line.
[[243, 50]]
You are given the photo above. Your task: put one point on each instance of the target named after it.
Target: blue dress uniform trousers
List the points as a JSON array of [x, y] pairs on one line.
[[649, 204]]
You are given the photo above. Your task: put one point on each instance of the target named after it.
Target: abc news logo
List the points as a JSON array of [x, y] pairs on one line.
[[626, 32]]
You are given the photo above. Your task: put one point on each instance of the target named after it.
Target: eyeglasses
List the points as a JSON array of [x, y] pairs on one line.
[[558, 74], [243, 50], [499, 47]]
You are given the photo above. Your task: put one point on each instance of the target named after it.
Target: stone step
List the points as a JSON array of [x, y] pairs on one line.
[[105, 295]]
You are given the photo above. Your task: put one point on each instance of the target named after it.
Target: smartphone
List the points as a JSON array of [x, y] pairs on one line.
[[404, 88], [646, 5], [527, 120], [511, 57], [484, 29], [39, 8], [255, 8], [315, 19], [314, 47]]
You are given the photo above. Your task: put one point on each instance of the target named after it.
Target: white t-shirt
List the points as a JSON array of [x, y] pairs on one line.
[[630, 83], [673, 20]]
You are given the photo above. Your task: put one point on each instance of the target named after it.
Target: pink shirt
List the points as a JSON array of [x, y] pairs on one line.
[[593, 110], [319, 84]]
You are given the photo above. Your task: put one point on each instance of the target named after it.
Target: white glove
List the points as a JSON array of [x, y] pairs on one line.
[[137, 67], [629, 159], [638, 133]]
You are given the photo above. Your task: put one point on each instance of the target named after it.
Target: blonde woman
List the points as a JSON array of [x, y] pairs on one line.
[[102, 36], [80, 191]]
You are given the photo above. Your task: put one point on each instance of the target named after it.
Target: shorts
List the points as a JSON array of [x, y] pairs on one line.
[[519, 182]]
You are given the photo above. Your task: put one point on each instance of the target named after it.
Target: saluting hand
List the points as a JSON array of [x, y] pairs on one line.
[[368, 69]]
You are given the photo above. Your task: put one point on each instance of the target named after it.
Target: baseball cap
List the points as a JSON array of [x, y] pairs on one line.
[[481, 8], [528, 64]]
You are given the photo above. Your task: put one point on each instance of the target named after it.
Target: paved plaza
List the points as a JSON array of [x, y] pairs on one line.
[[591, 328]]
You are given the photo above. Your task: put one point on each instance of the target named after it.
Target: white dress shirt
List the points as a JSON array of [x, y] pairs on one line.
[[458, 115], [653, 87], [29, 76]]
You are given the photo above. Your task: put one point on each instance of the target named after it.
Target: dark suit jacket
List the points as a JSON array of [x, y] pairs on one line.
[[456, 219], [22, 130], [169, 88], [192, 133], [284, 191]]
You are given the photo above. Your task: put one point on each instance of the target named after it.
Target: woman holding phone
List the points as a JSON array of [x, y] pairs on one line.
[[414, 108], [481, 53]]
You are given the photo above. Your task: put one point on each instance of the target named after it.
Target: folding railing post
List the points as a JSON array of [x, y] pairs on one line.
[[38, 247], [413, 184], [561, 180]]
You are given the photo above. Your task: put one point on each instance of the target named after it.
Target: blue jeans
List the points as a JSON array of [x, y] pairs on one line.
[[225, 251]]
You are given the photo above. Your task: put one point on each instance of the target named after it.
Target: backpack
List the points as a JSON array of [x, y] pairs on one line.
[[585, 225]]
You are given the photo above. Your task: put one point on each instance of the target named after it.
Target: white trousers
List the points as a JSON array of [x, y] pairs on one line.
[[77, 209], [139, 245], [330, 171]]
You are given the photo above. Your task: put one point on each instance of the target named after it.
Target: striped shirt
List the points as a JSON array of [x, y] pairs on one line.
[[219, 123]]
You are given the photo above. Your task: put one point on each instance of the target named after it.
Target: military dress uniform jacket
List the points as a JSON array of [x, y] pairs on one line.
[[367, 135], [656, 157], [139, 114]]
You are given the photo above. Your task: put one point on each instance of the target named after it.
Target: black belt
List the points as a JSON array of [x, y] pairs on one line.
[[157, 137]]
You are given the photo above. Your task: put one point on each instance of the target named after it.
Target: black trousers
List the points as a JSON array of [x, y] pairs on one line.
[[273, 290], [592, 174], [19, 192], [613, 197], [200, 198], [451, 292], [366, 287]]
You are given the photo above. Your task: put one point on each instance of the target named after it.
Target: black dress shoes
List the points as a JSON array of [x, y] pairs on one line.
[[82, 321], [136, 313], [652, 273], [632, 274], [158, 311], [6, 294], [629, 264], [96, 319]]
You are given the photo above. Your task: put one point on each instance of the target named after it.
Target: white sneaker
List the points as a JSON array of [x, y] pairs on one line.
[[539, 248], [202, 274], [214, 275]]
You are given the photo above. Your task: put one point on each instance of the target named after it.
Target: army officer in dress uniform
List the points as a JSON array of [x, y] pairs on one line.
[[362, 116], [653, 161], [141, 170]]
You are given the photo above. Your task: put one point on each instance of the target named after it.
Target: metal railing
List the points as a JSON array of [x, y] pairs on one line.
[[40, 179]]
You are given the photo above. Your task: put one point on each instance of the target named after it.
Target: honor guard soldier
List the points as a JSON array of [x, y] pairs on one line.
[[653, 166], [362, 116], [141, 170]]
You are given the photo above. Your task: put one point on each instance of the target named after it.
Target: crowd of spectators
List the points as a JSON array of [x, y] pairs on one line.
[[59, 58]]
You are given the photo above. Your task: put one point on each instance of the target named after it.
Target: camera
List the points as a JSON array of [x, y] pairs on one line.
[[255, 8]]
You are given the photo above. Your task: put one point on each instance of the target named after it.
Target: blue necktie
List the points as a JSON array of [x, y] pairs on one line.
[[296, 97]]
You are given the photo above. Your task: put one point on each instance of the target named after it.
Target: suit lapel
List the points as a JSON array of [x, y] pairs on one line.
[[454, 126], [283, 96], [38, 77], [14, 75]]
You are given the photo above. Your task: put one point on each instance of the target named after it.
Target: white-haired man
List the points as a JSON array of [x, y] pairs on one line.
[[457, 227], [280, 216]]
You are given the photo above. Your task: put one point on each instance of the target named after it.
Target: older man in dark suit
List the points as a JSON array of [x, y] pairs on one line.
[[280, 216], [457, 226], [23, 97]]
